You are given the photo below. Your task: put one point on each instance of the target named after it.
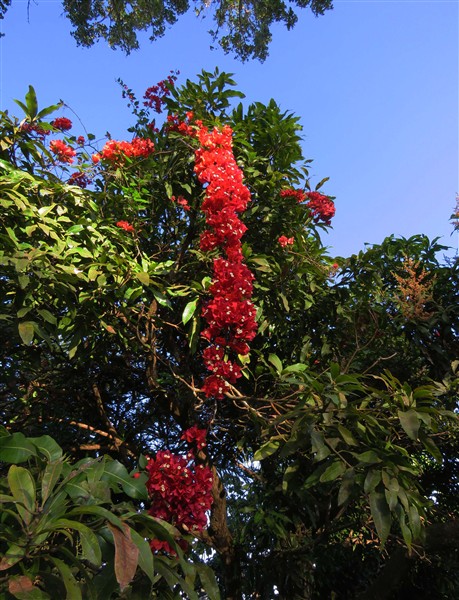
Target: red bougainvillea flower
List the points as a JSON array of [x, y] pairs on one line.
[[195, 435], [116, 152], [285, 241], [322, 207], [126, 226], [62, 123], [63, 152], [155, 95], [80, 140], [180, 490], [299, 195]]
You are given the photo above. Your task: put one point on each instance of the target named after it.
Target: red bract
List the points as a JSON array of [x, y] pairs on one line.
[[116, 152], [180, 490], [62, 123], [126, 226], [155, 95], [34, 128], [299, 195], [321, 207], [285, 241], [63, 152], [195, 435]]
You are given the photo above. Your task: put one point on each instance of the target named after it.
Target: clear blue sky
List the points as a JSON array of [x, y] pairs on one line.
[[375, 83]]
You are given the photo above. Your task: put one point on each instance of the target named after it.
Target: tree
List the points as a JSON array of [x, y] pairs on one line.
[[172, 320], [243, 29]]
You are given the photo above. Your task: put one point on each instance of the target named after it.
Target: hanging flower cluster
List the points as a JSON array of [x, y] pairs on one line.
[[115, 152], [63, 152], [180, 490], [230, 314], [321, 207], [80, 179]]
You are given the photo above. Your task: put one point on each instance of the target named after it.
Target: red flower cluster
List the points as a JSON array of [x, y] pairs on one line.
[[179, 489], [79, 179], [299, 195], [116, 152], [230, 314], [126, 226], [62, 123], [155, 95], [63, 152], [321, 207], [285, 241]]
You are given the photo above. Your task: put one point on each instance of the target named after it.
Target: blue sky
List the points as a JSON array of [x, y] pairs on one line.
[[375, 83]]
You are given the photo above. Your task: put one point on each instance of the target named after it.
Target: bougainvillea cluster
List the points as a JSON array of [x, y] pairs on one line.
[[180, 489], [285, 241], [62, 123], [155, 95], [116, 152], [230, 314], [322, 207], [63, 152]]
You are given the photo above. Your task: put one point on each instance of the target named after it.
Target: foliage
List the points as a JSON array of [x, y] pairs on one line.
[[333, 442], [63, 531], [243, 29]]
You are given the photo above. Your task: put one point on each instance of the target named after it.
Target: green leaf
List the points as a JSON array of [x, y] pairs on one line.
[[432, 448], [16, 448], [22, 486], [189, 310], [346, 487], [335, 470], [31, 102], [275, 360], [146, 559], [208, 581], [347, 435], [116, 474], [47, 446], [267, 450], [410, 422], [369, 457], [71, 586], [371, 480], [26, 332], [381, 515], [143, 277], [50, 477]]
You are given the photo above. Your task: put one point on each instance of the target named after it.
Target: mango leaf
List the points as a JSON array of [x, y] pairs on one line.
[[47, 446], [16, 448], [335, 470], [26, 332], [143, 277], [126, 555], [189, 311], [432, 448], [12, 556], [347, 435], [71, 586], [410, 422], [208, 581], [266, 450], [346, 487], [22, 588], [22, 486], [381, 515], [116, 474], [275, 360], [146, 560]]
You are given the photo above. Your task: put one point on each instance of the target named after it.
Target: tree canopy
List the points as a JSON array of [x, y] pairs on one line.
[[197, 398], [243, 29]]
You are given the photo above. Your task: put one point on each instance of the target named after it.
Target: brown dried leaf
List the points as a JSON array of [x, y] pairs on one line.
[[126, 555]]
